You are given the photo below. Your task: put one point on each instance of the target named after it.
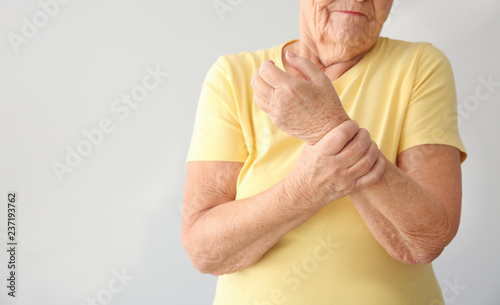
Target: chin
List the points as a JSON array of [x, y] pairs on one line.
[[353, 36], [345, 46]]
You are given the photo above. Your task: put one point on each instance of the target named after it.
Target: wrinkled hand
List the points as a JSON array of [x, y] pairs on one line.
[[343, 161], [305, 108]]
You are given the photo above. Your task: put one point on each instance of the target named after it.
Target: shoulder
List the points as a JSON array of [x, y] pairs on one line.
[[418, 52], [410, 61], [247, 62]]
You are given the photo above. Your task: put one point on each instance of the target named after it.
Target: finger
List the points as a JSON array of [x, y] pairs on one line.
[[336, 139], [364, 164], [374, 175], [356, 148], [274, 76], [260, 87], [305, 67], [261, 103]]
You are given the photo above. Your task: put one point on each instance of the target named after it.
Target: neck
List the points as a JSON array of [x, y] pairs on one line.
[[333, 67]]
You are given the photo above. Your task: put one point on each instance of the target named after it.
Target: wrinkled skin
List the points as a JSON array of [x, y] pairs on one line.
[[332, 35], [335, 35]]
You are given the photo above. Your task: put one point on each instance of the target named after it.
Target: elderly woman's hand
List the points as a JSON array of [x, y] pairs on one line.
[[343, 161], [305, 108]]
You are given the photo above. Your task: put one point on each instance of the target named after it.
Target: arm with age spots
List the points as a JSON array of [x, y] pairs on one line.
[[413, 211], [223, 235]]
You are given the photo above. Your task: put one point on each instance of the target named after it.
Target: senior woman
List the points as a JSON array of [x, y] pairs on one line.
[[325, 170]]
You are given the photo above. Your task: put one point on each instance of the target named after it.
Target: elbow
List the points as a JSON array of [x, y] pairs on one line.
[[204, 266], [208, 266], [421, 254], [423, 258], [414, 257], [426, 251], [203, 263], [201, 260], [211, 263]]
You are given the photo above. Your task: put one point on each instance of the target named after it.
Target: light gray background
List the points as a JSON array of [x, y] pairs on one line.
[[119, 210]]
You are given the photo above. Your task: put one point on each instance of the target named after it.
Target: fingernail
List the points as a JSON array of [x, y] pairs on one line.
[[291, 54]]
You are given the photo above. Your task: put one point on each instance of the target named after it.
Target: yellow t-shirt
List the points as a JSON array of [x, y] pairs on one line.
[[404, 94]]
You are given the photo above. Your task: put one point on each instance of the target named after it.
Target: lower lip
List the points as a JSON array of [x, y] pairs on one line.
[[351, 13]]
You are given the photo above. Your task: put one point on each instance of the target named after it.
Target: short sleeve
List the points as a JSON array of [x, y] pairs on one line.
[[431, 116], [217, 133]]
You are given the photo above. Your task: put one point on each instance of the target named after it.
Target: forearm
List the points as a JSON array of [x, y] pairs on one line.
[[234, 235], [223, 235], [408, 221]]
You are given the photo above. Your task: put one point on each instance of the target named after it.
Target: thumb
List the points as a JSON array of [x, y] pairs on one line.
[[305, 67]]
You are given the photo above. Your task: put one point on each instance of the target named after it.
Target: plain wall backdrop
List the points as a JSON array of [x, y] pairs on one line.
[[107, 226]]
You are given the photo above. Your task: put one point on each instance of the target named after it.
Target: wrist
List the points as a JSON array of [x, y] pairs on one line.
[[329, 126], [300, 195]]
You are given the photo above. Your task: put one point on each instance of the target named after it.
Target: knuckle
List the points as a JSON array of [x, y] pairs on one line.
[[372, 179], [352, 128], [341, 136], [372, 156], [361, 146], [365, 181], [289, 91], [262, 69], [350, 125], [364, 132], [365, 166], [265, 69], [286, 92]]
